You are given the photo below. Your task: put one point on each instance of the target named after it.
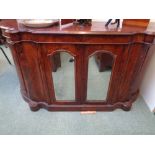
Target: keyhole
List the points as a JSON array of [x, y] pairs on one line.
[[71, 60]]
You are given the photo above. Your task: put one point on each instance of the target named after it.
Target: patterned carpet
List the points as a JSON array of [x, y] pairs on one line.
[[16, 117]]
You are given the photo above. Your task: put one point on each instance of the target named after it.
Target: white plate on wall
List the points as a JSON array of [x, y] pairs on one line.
[[36, 23]]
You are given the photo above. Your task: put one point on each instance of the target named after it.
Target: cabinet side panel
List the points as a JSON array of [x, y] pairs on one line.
[[18, 68], [131, 78], [30, 63]]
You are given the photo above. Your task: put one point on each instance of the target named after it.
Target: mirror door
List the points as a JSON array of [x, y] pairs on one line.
[[63, 73], [99, 73], [76, 77]]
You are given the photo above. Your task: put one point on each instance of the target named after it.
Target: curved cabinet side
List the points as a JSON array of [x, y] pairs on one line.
[[29, 62], [13, 50]]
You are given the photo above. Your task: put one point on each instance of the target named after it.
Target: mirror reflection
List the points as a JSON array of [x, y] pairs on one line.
[[63, 75], [99, 73]]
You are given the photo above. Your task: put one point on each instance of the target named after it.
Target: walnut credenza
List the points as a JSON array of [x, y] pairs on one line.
[[32, 47]]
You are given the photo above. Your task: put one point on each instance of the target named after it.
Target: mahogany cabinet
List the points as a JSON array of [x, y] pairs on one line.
[[39, 64], [2, 39]]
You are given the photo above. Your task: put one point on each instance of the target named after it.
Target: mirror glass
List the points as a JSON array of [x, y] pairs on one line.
[[62, 64], [99, 73]]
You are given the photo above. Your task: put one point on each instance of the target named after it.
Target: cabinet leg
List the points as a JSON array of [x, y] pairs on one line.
[[127, 107], [36, 108]]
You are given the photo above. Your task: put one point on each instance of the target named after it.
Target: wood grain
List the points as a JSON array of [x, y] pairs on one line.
[[31, 49]]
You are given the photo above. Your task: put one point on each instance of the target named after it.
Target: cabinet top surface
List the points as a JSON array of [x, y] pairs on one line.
[[11, 26]]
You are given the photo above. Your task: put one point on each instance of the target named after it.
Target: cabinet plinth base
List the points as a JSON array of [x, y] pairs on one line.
[[35, 106]]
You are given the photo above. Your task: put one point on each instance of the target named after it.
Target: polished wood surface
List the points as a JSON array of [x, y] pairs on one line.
[[136, 22], [2, 39], [67, 21], [32, 47], [96, 28]]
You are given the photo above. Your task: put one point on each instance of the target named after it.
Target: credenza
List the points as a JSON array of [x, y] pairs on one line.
[[59, 67]]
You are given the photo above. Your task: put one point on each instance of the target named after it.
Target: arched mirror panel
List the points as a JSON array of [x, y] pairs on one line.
[[63, 73], [100, 67]]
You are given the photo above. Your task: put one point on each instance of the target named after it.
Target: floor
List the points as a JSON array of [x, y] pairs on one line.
[[16, 117]]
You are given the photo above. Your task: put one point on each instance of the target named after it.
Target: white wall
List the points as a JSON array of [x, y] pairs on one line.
[[148, 84]]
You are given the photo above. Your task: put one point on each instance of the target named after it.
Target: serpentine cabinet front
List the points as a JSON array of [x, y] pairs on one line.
[[73, 72]]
